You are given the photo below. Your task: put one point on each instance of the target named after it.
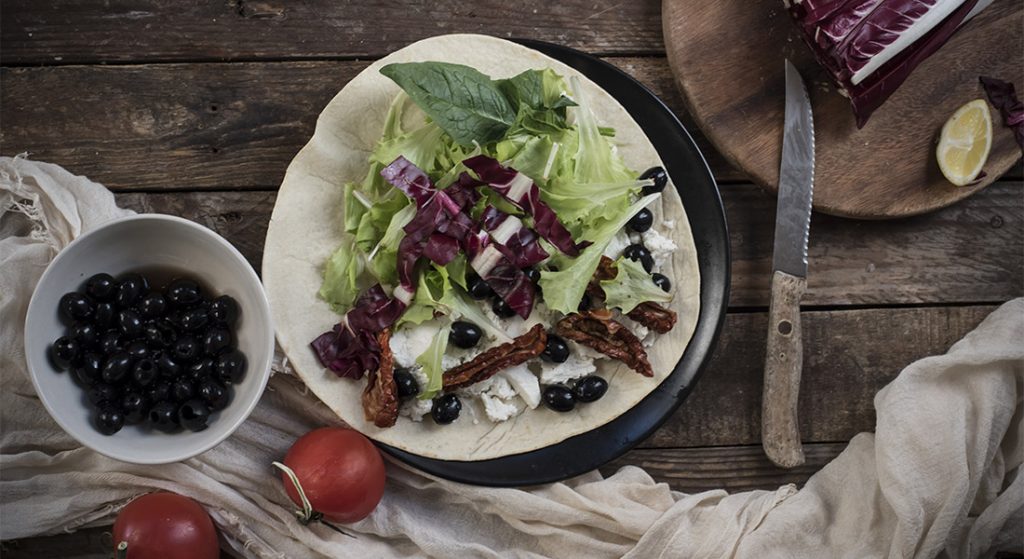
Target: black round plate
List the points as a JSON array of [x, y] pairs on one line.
[[697, 187]]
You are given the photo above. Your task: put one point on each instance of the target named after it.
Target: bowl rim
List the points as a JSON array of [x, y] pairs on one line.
[[263, 306]]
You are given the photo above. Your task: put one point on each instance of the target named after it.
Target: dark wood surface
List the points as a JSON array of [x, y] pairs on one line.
[[195, 109], [886, 169]]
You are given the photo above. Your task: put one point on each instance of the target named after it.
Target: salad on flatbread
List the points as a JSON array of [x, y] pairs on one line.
[[483, 253]]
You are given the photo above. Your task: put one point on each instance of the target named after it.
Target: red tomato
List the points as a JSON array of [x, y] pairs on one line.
[[341, 473], [166, 526]]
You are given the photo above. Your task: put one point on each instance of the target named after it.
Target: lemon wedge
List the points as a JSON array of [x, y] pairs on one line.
[[965, 142]]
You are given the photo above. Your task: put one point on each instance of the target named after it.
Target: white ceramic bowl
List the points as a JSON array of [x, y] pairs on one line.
[[139, 242]]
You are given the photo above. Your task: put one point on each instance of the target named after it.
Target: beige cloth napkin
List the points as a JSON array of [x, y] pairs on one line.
[[941, 476]]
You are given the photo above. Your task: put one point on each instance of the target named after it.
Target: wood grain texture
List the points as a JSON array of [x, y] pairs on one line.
[[884, 170], [784, 357], [848, 356], [201, 126], [732, 468], [77, 31], [970, 252]]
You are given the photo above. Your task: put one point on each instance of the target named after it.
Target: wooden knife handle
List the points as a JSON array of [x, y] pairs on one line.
[[780, 431]]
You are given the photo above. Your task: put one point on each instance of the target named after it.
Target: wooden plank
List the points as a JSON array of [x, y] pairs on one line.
[[733, 468], [143, 30], [199, 126], [971, 252], [848, 356]]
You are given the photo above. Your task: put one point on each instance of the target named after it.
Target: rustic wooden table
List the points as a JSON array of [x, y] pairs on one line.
[[195, 108]]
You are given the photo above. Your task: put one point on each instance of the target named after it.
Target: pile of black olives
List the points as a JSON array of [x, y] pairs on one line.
[[165, 357], [562, 398]]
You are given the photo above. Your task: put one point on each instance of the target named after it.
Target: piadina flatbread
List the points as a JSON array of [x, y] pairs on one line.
[[306, 227]]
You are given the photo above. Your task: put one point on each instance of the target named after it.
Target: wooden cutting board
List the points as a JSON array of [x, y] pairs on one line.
[[727, 56]]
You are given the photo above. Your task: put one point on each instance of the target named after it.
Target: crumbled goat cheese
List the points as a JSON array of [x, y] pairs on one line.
[[411, 341], [661, 247], [669, 224], [524, 382], [575, 366]]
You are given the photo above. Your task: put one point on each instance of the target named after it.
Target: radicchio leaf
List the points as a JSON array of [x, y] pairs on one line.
[[523, 193], [846, 35], [350, 349], [516, 241], [1003, 96]]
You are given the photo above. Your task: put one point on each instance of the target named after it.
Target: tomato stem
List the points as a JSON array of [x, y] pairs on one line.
[[307, 514], [122, 551]]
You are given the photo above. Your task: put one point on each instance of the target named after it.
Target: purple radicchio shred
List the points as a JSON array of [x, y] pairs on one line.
[[545, 222], [522, 248], [1003, 96], [410, 179], [350, 349], [845, 35]]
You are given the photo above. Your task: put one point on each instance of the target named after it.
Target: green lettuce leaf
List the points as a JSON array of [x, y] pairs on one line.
[[563, 290], [382, 260], [340, 286], [631, 286], [430, 360]]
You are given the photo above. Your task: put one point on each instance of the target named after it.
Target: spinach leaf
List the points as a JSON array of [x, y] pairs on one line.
[[467, 104]]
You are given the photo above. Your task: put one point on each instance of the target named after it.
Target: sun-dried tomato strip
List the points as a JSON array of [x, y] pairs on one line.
[[651, 315], [597, 330], [654, 316], [488, 363], [380, 397]]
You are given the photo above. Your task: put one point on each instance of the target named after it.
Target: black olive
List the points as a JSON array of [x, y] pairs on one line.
[[640, 253], [86, 334], [173, 318], [138, 350], [559, 398], [202, 369], [556, 350], [183, 293], [117, 367], [478, 288], [590, 388], [586, 303], [195, 318], [216, 341], [464, 334], [216, 395], [159, 391], [406, 383], [642, 221], [75, 306], [158, 334], [501, 308], [446, 409], [105, 315], [662, 281], [101, 287], [194, 415], [109, 420], [533, 274], [144, 372], [660, 180], [231, 366], [130, 324], [102, 392], [110, 342], [136, 408], [186, 349], [129, 290], [167, 366], [164, 416], [64, 351], [182, 389], [224, 310], [153, 305], [89, 369]]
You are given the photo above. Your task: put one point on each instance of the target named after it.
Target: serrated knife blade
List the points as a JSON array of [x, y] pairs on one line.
[[796, 180], [780, 433]]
